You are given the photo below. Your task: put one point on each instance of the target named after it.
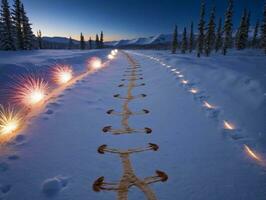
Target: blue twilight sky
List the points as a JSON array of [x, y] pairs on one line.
[[123, 19]]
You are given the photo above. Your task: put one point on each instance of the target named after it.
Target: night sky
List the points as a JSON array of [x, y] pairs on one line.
[[124, 19]]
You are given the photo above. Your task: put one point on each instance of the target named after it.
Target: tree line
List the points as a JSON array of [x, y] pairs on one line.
[[15, 28], [219, 37], [16, 32]]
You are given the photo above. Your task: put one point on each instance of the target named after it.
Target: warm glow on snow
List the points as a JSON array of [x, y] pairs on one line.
[[111, 57], [94, 63], [228, 126], [62, 74], [31, 91], [9, 120], [207, 105], [251, 153], [113, 52], [193, 91], [184, 81]]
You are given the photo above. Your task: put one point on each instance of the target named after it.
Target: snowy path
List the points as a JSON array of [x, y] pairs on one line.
[[59, 148]]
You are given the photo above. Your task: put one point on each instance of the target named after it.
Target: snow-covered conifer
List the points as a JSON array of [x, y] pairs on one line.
[[228, 28], [184, 41], [210, 35], [175, 40], [7, 37], [201, 28]]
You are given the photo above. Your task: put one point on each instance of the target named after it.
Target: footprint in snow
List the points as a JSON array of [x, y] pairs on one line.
[[49, 112], [54, 104], [13, 157], [53, 186], [4, 189]]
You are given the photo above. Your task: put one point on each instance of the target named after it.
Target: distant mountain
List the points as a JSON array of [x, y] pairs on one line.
[[153, 40], [62, 40]]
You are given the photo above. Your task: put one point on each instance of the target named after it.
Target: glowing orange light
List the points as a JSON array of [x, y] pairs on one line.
[[111, 57], [184, 82], [62, 74], [113, 53], [9, 120], [228, 126], [193, 91], [252, 153], [207, 105], [94, 63], [31, 91]]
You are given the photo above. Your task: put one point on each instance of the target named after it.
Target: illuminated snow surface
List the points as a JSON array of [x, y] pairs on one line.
[[56, 157]]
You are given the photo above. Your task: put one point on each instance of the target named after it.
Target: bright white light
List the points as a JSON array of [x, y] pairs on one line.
[[36, 96], [62, 74], [9, 120], [111, 57], [94, 63], [207, 105], [193, 91], [177, 72], [228, 126], [116, 51], [173, 70], [113, 52], [180, 76], [184, 82]]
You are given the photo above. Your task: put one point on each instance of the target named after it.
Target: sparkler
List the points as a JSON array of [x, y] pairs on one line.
[[94, 63], [31, 90], [228, 126], [62, 74], [10, 120]]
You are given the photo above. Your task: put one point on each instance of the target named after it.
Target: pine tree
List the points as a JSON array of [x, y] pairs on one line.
[[82, 42], [39, 39], [184, 41], [97, 41], [201, 28], [70, 43], [247, 29], [228, 28], [219, 36], [210, 35], [175, 40], [90, 43], [263, 30], [191, 38], [27, 33], [242, 35], [17, 19], [7, 37], [101, 40], [254, 42]]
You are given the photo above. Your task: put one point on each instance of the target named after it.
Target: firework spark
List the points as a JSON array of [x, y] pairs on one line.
[[10, 120], [30, 90], [94, 63], [62, 74]]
